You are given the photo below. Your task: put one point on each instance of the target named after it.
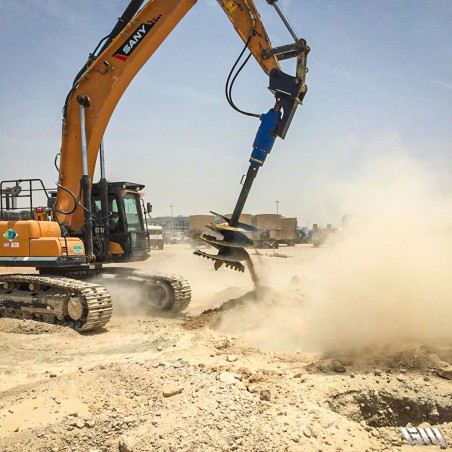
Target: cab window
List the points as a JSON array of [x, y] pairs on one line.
[[133, 211]]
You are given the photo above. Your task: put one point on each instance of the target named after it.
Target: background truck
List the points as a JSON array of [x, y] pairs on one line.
[[156, 240], [269, 227], [289, 231], [274, 230]]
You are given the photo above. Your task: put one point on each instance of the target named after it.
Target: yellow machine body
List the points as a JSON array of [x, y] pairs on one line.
[[32, 238]]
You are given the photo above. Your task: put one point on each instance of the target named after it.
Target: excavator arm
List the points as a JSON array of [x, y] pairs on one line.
[[246, 19], [101, 83]]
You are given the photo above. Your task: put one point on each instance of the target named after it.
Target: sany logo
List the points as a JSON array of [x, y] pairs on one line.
[[424, 436], [135, 38]]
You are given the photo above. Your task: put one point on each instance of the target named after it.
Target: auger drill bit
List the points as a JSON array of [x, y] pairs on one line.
[[231, 248]]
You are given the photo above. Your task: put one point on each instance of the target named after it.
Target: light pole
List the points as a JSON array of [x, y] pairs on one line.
[[172, 221], [277, 207]]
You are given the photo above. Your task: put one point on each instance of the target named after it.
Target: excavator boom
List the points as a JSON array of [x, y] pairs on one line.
[[104, 79]]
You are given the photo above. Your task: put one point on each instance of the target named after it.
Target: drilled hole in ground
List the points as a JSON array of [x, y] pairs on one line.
[[383, 409]]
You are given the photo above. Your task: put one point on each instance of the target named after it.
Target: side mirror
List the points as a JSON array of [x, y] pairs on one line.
[[148, 207]]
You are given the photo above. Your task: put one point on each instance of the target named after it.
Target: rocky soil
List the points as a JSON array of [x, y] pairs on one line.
[[183, 384]]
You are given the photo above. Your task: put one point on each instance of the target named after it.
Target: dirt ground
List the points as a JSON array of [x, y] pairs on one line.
[[239, 378]]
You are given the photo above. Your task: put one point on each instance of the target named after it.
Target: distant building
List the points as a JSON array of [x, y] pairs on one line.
[[180, 224]]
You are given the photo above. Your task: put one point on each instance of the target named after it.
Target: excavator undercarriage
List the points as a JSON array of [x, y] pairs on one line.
[[80, 305], [83, 304]]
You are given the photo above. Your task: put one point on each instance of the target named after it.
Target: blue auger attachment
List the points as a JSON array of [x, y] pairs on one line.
[[231, 247], [265, 138]]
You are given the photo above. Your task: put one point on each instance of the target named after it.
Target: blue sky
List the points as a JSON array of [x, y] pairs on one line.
[[380, 83]]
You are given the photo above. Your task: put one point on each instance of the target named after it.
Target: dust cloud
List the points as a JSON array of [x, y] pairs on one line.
[[128, 300], [389, 277], [386, 278]]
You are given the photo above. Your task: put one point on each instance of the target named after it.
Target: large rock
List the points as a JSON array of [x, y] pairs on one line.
[[338, 367], [126, 444], [445, 373], [129, 420], [170, 390], [222, 343], [179, 363], [90, 423], [80, 424], [227, 378]]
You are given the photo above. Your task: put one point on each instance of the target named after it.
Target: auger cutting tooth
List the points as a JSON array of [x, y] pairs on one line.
[[231, 248]]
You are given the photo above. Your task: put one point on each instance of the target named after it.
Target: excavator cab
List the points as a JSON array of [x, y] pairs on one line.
[[128, 233]]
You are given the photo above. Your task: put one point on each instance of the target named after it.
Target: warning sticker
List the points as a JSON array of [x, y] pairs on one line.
[[10, 235], [78, 249]]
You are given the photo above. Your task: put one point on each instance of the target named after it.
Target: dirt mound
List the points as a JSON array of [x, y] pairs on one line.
[[212, 317], [19, 326], [390, 357]]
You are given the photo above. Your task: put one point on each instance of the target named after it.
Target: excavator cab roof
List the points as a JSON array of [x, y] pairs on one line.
[[117, 186]]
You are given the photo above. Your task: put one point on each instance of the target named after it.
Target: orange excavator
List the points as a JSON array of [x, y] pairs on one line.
[[84, 225]]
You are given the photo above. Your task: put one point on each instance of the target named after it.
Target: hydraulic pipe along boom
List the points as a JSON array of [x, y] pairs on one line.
[[85, 181], [103, 192]]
